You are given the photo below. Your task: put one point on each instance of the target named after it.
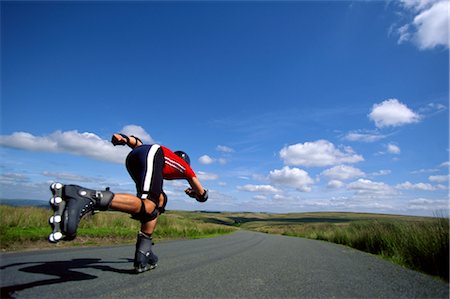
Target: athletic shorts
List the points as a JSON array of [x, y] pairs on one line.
[[145, 165]]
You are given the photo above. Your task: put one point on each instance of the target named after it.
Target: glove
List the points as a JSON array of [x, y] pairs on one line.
[[115, 141], [200, 198], [191, 193]]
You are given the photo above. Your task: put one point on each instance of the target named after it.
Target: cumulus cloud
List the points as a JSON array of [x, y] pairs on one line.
[[343, 172], [205, 176], [392, 113], [418, 186], [137, 131], [429, 27], [393, 149], [445, 164], [439, 178], [292, 177], [335, 184], [426, 204], [381, 172], [258, 188], [318, 153], [66, 176], [364, 136], [368, 187], [205, 160], [71, 142], [224, 149]]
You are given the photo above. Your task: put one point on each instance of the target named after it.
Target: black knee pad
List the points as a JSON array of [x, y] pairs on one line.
[[143, 216]]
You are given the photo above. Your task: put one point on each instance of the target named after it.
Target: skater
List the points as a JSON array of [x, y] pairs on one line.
[[148, 165]]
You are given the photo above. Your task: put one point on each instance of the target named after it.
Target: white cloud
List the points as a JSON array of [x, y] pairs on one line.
[[445, 164], [439, 178], [205, 160], [393, 149], [335, 184], [318, 153], [66, 176], [343, 172], [368, 187], [258, 188], [423, 170], [430, 26], [205, 176], [364, 137], [260, 197], [393, 113], [71, 142], [381, 172], [13, 178], [137, 131], [419, 186], [224, 149], [292, 177], [425, 204]]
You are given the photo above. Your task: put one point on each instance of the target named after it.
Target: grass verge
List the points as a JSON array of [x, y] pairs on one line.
[[23, 228]]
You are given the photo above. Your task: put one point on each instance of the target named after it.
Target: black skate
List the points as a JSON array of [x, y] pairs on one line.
[[70, 203], [144, 258]]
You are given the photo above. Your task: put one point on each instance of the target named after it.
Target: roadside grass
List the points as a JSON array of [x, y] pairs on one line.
[[24, 228]]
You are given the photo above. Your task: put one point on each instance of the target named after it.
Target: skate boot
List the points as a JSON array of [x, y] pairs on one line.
[[144, 258], [70, 203]]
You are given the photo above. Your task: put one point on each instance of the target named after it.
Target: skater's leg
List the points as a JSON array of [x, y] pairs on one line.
[[149, 227], [144, 258], [130, 204]]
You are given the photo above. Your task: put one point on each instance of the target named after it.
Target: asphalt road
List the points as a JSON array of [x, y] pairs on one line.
[[240, 265]]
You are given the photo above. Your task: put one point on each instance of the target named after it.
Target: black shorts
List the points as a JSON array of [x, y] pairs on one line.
[[145, 164]]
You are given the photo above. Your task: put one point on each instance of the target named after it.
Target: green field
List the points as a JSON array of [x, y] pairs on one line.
[[419, 243]]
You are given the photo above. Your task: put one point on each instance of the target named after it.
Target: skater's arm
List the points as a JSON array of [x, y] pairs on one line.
[[122, 139], [197, 191]]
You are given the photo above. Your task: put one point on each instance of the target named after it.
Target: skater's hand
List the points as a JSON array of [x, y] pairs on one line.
[[119, 139]]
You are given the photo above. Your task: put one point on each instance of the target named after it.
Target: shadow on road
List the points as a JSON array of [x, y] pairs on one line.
[[64, 270]]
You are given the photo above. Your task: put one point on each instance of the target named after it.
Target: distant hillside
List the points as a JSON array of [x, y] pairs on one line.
[[25, 202]]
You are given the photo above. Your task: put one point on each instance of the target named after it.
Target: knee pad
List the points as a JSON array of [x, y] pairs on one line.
[[143, 216]]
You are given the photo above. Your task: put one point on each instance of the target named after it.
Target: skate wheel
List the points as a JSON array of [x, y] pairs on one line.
[[51, 238], [55, 237], [55, 219], [56, 186], [55, 200]]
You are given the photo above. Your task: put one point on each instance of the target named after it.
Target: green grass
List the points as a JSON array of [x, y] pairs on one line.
[[27, 227]]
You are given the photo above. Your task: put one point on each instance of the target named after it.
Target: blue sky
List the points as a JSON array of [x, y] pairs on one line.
[[282, 106]]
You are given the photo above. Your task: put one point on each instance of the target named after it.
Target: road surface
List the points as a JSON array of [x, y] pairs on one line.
[[240, 265]]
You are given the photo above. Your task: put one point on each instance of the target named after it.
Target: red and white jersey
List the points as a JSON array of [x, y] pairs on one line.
[[175, 167]]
